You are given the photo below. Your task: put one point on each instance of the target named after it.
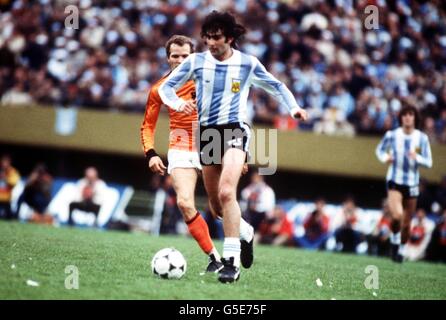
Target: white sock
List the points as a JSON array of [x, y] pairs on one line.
[[395, 238], [231, 248], [401, 249], [216, 254], [246, 230]]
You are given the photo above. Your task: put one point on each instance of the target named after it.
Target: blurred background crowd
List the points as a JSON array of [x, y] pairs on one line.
[[312, 225], [352, 79]]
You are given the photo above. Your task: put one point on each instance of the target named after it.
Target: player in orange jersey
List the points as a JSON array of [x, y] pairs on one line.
[[182, 155]]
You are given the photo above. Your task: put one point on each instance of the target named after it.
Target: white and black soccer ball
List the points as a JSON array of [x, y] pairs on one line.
[[169, 263]]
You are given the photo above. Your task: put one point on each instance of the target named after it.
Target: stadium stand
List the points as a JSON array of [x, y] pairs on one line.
[[353, 79], [113, 208]]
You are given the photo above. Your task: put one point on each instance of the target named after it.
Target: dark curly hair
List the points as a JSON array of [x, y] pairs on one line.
[[225, 22], [409, 109]]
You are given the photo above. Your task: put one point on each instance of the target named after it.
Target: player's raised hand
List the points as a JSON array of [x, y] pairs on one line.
[[156, 165]]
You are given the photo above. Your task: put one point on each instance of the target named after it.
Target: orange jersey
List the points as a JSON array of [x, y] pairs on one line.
[[181, 124]]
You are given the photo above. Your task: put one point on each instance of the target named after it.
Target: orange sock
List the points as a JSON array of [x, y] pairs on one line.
[[198, 228]]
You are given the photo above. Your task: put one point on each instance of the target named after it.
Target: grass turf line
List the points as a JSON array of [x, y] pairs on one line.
[[116, 265]]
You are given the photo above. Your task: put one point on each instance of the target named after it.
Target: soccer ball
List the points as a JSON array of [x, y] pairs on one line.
[[169, 263]]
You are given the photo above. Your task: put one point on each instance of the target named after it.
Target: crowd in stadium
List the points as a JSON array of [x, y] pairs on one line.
[[352, 79], [37, 192]]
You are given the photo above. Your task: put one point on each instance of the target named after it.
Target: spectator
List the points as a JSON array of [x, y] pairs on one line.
[[429, 129], [17, 95], [158, 206], [259, 200], [400, 71], [37, 195], [347, 237], [171, 212], [215, 225], [359, 81], [90, 195], [436, 250], [420, 235], [441, 125], [341, 101], [9, 177], [333, 123], [316, 228], [379, 240], [277, 230], [441, 193], [166, 213], [425, 198]]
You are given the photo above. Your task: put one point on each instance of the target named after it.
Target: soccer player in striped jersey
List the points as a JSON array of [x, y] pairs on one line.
[[223, 76], [404, 149], [182, 155]]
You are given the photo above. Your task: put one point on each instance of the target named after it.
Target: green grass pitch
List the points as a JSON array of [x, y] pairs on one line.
[[116, 265]]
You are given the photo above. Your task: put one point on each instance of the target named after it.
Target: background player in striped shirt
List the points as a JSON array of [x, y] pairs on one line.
[[223, 76], [182, 155], [404, 149]]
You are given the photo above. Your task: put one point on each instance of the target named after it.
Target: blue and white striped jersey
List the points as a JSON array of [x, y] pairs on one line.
[[223, 86], [397, 144]]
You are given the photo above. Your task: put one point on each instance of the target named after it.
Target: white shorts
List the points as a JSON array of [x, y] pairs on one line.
[[182, 159]]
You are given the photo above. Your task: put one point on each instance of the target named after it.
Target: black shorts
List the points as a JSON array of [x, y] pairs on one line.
[[406, 191], [214, 140]]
